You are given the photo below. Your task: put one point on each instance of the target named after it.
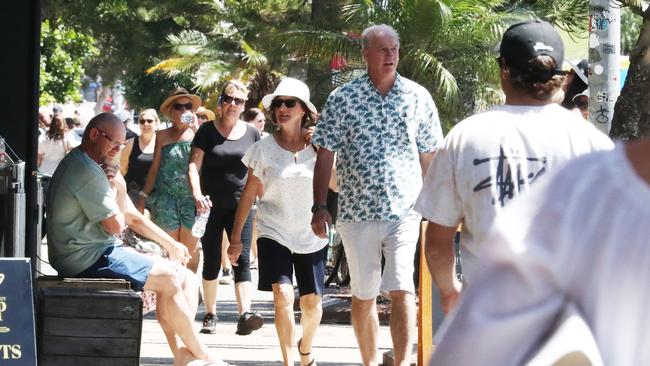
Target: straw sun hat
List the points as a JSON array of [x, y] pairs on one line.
[[290, 87], [177, 93]]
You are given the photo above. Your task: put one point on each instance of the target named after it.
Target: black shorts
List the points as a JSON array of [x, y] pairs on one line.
[[276, 264]]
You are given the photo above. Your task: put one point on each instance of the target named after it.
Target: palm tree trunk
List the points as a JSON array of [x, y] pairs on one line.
[[632, 111]]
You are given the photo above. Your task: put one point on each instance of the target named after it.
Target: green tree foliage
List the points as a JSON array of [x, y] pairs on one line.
[[630, 28], [447, 46], [240, 43], [131, 36], [63, 54]]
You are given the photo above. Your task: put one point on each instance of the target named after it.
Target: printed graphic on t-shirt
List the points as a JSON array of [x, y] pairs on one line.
[[509, 178]]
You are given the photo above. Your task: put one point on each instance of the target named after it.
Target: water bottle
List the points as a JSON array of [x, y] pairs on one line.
[[186, 117], [200, 221], [3, 154]]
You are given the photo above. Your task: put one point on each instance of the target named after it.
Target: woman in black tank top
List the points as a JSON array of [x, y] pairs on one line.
[[137, 156]]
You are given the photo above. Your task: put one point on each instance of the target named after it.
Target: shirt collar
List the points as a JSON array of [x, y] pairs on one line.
[[397, 87]]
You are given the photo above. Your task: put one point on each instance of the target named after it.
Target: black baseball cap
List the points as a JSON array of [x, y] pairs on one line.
[[525, 41]]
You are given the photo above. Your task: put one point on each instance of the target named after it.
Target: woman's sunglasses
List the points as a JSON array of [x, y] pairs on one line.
[[227, 99], [146, 120], [289, 103], [180, 107]]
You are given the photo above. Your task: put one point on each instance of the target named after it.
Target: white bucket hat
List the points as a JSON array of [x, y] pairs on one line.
[[290, 87]]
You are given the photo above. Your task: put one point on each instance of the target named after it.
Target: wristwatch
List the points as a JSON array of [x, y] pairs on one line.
[[317, 207]]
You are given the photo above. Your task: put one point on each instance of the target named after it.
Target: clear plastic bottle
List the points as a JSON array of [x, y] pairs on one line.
[[186, 117], [200, 221]]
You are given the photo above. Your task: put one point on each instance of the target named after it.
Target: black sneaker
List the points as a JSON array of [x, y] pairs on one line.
[[209, 324], [248, 322]]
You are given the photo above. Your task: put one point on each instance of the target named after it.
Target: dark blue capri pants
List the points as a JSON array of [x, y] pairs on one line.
[[223, 219]]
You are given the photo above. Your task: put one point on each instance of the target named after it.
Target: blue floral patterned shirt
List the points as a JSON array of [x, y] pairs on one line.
[[378, 140]]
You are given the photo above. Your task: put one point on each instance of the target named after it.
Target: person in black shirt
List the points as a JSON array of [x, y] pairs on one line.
[[216, 170]]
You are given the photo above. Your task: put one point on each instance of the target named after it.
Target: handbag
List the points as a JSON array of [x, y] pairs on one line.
[[142, 244]]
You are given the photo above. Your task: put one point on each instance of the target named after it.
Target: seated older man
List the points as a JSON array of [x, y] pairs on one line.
[[86, 213]]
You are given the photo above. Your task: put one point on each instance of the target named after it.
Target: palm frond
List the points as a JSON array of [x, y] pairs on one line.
[[187, 42], [209, 76], [252, 57], [426, 68], [319, 44]]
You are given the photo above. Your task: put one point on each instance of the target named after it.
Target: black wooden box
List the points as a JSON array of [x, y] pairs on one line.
[[80, 325]]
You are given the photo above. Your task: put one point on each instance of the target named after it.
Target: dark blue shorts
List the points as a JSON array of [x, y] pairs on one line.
[[117, 262], [276, 264]]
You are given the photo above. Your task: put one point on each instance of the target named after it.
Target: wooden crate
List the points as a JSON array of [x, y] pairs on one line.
[[80, 325]]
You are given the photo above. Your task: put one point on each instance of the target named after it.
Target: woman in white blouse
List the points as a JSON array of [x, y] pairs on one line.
[[281, 166], [57, 143]]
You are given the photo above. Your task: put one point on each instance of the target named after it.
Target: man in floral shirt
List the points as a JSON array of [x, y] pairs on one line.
[[384, 129]]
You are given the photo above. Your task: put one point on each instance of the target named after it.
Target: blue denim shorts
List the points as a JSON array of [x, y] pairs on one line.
[[117, 262]]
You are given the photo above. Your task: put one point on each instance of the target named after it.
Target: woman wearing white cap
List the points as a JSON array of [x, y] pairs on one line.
[[281, 166]]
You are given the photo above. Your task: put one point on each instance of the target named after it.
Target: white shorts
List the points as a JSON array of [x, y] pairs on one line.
[[364, 243]]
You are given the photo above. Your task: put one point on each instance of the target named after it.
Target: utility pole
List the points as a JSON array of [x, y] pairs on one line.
[[604, 66]]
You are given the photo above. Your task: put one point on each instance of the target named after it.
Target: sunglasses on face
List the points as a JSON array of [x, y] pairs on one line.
[[202, 116], [289, 103], [227, 99], [146, 120], [180, 107], [114, 144]]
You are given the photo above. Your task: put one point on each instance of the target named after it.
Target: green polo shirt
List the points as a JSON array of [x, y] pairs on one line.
[[79, 198]]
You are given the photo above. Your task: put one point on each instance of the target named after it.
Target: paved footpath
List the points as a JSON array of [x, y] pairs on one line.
[[335, 344]]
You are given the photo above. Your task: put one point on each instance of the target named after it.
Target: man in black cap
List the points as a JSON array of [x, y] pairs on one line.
[[492, 157]]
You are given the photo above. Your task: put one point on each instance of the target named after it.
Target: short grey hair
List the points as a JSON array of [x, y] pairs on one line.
[[374, 30]]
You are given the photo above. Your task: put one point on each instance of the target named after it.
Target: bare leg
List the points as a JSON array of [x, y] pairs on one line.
[[172, 307], [210, 296], [402, 325], [243, 291], [311, 307], [172, 340], [254, 241], [190, 291], [192, 244], [365, 322], [225, 263], [284, 319]]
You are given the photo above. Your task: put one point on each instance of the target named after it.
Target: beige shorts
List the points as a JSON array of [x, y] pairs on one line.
[[364, 243]]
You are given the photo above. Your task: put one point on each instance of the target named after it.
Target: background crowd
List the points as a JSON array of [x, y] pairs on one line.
[[380, 135]]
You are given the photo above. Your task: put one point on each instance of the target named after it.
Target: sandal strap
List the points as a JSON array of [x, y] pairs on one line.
[[304, 354]]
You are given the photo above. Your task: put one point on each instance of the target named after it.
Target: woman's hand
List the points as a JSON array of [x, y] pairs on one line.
[[179, 253], [234, 250], [202, 203]]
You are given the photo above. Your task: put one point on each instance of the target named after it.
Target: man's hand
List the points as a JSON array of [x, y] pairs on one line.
[[319, 221], [179, 253], [234, 250]]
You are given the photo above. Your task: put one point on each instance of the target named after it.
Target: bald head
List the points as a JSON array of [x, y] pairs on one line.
[[103, 138], [101, 121]]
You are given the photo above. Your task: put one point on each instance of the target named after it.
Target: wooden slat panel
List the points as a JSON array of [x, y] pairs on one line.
[[87, 361], [104, 347], [88, 283], [82, 327], [425, 331], [83, 303]]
